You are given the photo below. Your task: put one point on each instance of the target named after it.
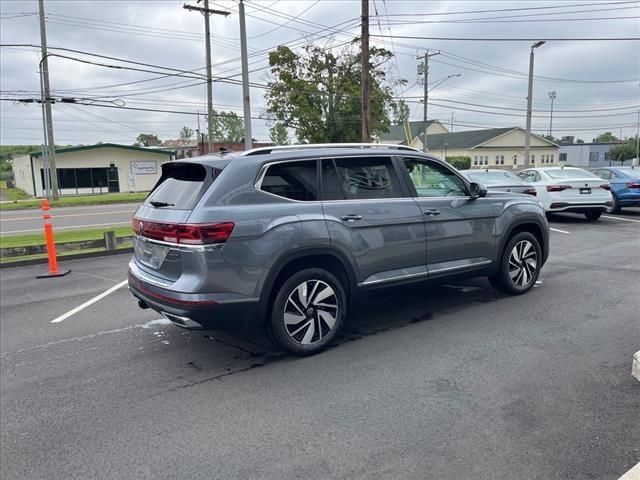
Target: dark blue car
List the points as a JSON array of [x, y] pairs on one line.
[[625, 185]]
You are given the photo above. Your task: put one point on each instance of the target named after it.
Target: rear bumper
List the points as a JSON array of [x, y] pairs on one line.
[[192, 311], [579, 207]]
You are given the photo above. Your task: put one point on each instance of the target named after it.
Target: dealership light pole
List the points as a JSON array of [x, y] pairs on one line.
[[527, 136], [552, 96]]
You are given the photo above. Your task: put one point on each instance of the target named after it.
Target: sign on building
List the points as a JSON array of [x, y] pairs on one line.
[[148, 167]]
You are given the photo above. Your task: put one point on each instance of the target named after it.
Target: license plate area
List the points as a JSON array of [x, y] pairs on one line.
[[149, 253], [585, 191]]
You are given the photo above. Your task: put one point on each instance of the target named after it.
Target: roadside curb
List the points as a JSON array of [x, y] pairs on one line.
[[62, 258]]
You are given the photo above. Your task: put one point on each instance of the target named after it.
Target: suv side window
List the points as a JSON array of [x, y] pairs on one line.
[[362, 178], [293, 180], [434, 180]]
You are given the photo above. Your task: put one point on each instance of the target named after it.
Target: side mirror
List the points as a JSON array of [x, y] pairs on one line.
[[477, 191]]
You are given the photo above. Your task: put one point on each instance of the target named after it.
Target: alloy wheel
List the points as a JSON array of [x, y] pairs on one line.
[[310, 312], [523, 262]]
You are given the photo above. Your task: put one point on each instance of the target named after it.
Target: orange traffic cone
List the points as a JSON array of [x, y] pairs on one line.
[[51, 244]]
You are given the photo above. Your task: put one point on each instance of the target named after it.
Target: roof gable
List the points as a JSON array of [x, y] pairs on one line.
[[108, 145]]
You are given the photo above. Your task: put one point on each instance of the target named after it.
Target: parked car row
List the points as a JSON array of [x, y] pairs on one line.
[[568, 189]]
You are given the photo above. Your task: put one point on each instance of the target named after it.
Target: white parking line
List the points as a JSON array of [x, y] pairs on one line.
[[66, 228], [89, 302], [559, 231], [621, 218]]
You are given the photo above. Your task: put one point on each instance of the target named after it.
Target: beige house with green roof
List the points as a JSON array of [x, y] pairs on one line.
[[94, 169]]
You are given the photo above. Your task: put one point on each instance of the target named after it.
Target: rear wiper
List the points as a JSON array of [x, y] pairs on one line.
[[161, 204]]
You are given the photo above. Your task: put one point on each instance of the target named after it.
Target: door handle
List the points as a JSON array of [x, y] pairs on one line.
[[432, 212], [351, 217]]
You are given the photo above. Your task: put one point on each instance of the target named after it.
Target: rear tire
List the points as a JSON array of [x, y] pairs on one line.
[[308, 311], [593, 215], [519, 266]]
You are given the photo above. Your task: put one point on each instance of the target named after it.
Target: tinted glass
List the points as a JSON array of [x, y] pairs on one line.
[[434, 180], [605, 174], [294, 180], [181, 186], [362, 179]]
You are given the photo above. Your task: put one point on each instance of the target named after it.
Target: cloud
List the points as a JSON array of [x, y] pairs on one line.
[[163, 33]]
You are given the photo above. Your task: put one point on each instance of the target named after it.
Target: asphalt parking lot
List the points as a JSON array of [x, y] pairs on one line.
[[448, 382]]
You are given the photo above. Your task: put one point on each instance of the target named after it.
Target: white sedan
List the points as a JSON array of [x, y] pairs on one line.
[[569, 190]]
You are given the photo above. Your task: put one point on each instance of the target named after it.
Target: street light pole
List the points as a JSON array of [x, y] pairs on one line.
[[552, 96], [527, 135]]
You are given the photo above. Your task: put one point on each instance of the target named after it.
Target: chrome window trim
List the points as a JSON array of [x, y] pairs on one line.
[[257, 184]]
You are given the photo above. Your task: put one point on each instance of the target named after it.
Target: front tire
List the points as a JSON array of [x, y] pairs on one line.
[[308, 311], [520, 265], [593, 215], [615, 207]]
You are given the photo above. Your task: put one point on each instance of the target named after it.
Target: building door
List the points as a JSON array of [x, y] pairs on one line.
[[113, 183]]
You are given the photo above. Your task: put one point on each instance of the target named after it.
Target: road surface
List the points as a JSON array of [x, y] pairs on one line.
[[450, 382], [14, 222]]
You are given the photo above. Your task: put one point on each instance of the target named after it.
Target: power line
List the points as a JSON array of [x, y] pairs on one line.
[[513, 39]]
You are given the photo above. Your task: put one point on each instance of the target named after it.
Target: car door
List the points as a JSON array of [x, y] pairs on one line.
[[372, 219], [460, 230]]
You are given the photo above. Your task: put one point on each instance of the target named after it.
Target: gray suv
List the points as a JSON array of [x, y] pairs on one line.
[[289, 238]]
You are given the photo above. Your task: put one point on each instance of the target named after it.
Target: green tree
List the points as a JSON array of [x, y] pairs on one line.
[[579, 140], [186, 133], [279, 134], [147, 140], [318, 92], [461, 163], [606, 137], [227, 127], [623, 152], [401, 112]]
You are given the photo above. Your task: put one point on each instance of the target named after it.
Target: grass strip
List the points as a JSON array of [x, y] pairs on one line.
[[76, 201], [62, 237]]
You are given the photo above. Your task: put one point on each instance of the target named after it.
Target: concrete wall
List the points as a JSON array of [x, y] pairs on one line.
[[122, 159]]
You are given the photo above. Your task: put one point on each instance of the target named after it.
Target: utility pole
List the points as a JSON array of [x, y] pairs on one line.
[[206, 11], [425, 100], [527, 135], [453, 117], [49, 141], [246, 98], [552, 96], [364, 57], [637, 163]]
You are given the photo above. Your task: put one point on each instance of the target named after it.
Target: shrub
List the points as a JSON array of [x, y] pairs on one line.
[[460, 162]]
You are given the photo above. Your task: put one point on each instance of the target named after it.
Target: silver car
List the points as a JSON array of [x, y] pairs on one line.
[[499, 181], [292, 238]]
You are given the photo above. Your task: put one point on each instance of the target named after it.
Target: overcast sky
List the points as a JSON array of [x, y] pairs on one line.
[[600, 77]]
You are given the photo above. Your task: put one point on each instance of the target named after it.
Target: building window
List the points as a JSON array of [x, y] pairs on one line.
[[593, 156], [563, 157], [475, 160], [551, 158], [75, 178], [533, 160], [515, 159], [499, 159]]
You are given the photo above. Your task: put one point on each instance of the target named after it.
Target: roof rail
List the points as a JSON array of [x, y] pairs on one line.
[[311, 146]]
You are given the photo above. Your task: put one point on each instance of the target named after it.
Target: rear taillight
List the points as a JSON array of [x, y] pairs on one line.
[[558, 188], [187, 234], [530, 191], [606, 186], [633, 184]]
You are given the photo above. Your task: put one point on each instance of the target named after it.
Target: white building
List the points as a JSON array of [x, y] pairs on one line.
[[94, 169]]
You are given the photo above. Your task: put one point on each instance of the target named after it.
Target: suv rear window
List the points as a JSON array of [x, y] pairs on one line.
[[293, 180], [180, 186]]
